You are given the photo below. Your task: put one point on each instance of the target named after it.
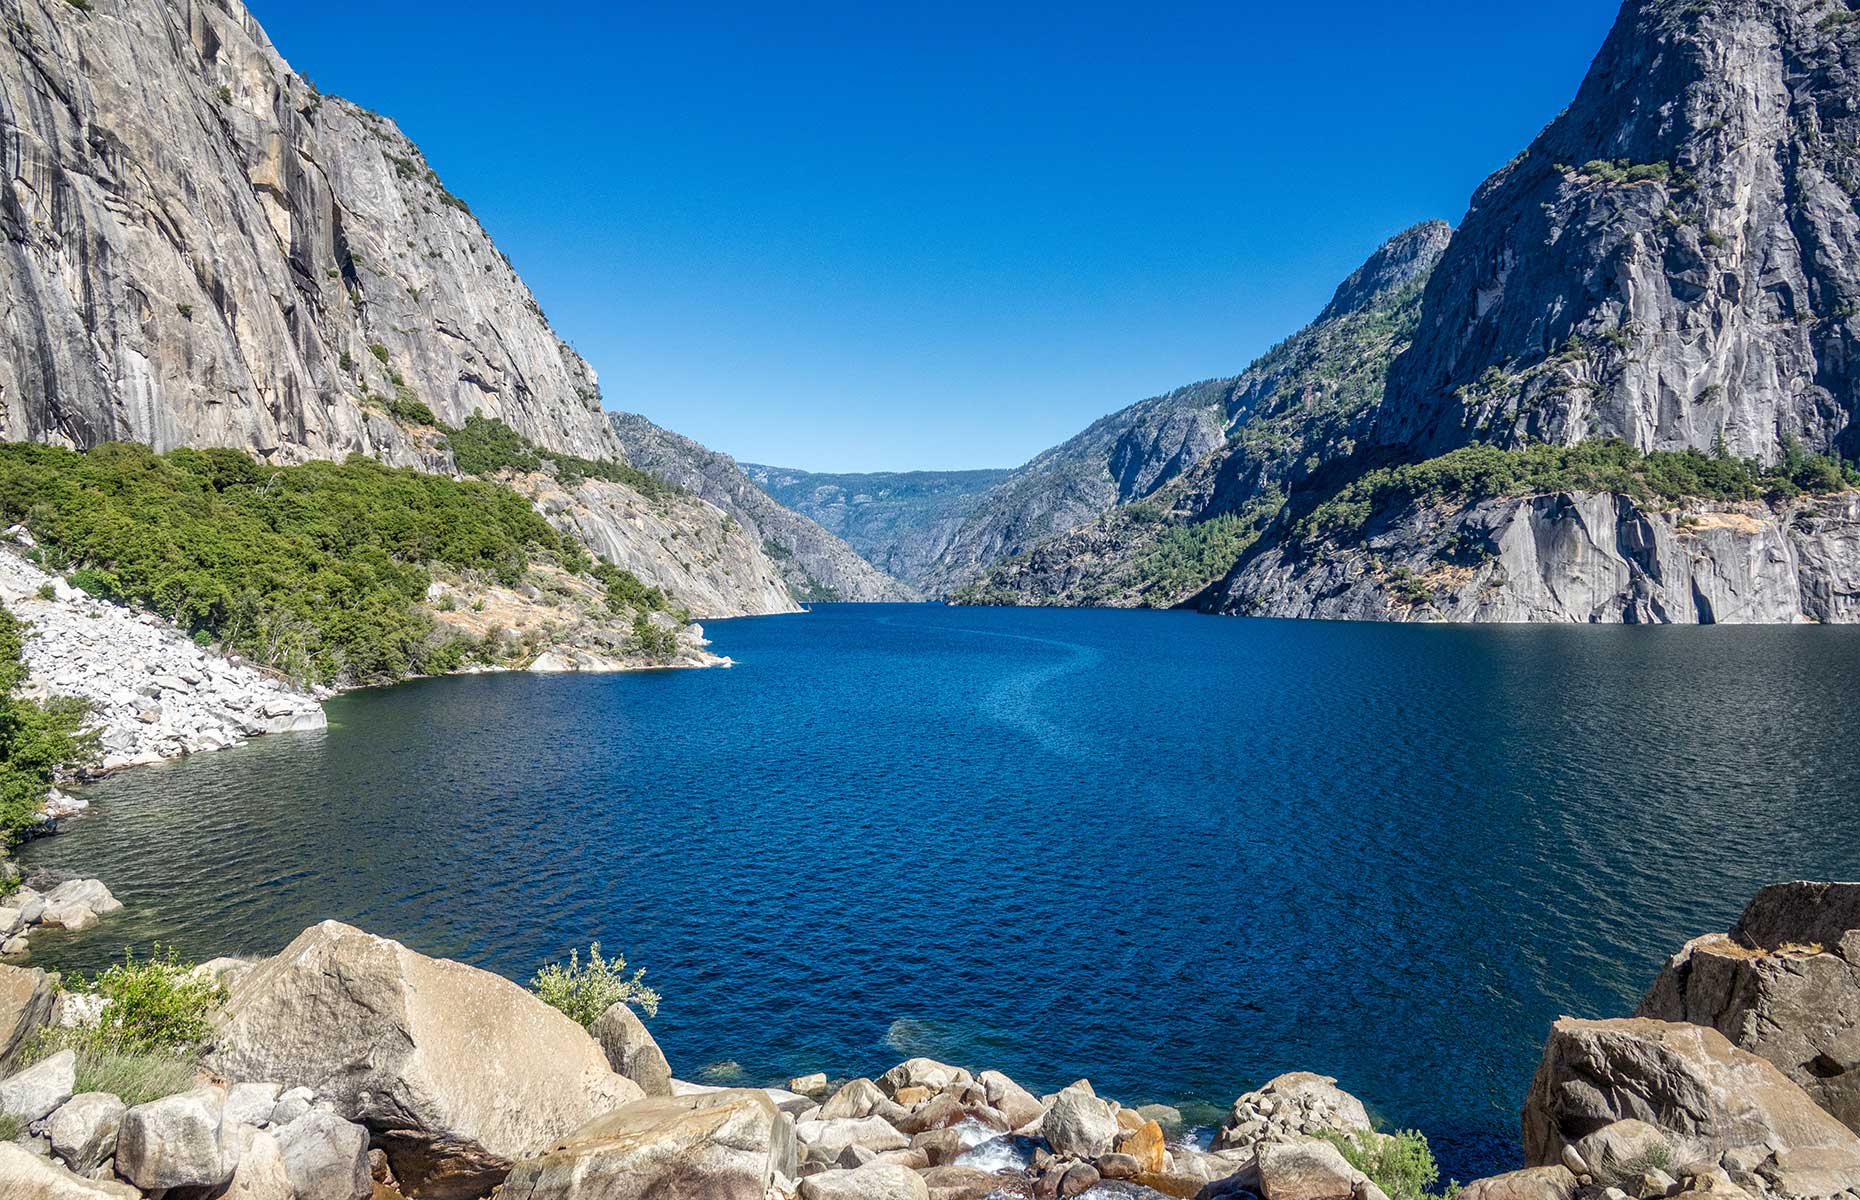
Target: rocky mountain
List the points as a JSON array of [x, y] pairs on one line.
[[1675, 261], [816, 565], [1302, 406], [198, 248], [901, 522], [1672, 268]]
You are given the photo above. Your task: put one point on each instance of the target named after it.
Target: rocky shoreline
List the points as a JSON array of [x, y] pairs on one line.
[[349, 1067]]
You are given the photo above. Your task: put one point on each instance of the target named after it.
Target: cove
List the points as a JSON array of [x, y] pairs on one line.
[[1175, 854]]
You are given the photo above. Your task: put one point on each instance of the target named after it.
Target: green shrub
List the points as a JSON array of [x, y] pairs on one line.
[[379, 351], [485, 445], [317, 570], [1600, 465], [156, 1003], [1401, 1163], [38, 742], [47, 592], [584, 992]]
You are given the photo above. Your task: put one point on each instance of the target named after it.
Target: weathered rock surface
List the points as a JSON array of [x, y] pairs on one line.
[[1532, 1183], [26, 1176], [631, 1051], [1079, 1124], [325, 1157], [1296, 1105], [1711, 290], [83, 1131], [1713, 1102], [27, 1001], [874, 1181], [1785, 985], [817, 565], [202, 249], [38, 1090], [178, 1142], [726, 1145], [261, 1174], [1304, 1169], [1572, 557], [456, 1072]]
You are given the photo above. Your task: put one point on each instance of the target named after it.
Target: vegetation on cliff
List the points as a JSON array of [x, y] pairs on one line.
[[586, 990], [37, 741], [1607, 465], [317, 571]]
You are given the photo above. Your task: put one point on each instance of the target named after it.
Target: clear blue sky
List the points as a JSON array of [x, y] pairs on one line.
[[875, 236]]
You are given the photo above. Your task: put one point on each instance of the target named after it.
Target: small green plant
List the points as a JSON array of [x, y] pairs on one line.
[[1401, 1164], [156, 1003], [584, 992], [225, 94], [10, 1127], [379, 351], [47, 592], [186, 311], [347, 362]]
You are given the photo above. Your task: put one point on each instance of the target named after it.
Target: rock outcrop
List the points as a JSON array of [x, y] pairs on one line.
[[28, 998], [456, 1072], [816, 565], [202, 249], [1783, 984], [1571, 557], [1710, 1101]]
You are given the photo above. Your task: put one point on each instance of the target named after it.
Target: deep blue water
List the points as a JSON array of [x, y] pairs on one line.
[[1173, 853]]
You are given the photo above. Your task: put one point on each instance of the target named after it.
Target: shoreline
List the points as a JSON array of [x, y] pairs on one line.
[[429, 1079]]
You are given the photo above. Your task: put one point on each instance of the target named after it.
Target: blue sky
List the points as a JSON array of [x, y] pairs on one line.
[[875, 236]]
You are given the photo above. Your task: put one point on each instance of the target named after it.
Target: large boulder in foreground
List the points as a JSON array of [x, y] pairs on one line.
[[457, 1072], [728, 1145], [1784, 984], [26, 1176], [1713, 1102]]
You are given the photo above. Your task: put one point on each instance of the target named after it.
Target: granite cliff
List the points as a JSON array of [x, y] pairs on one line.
[[1672, 266], [198, 248]]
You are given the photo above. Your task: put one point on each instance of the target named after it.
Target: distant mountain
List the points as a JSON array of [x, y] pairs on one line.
[[818, 566], [1176, 526], [900, 523]]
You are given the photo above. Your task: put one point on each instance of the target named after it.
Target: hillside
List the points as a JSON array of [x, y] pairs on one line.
[[899, 522], [202, 250], [1297, 409], [816, 565]]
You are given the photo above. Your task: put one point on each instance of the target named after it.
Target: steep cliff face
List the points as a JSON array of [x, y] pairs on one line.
[[199, 249], [1573, 557], [1295, 411], [816, 565], [900, 522], [1675, 261]]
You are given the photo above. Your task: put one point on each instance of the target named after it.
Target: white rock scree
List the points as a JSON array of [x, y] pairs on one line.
[[154, 694], [349, 1067]]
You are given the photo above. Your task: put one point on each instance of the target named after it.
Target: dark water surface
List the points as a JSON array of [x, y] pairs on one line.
[[1172, 853]]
